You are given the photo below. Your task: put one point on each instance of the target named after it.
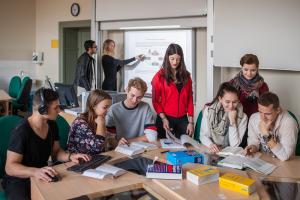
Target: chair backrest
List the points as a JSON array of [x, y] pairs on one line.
[[14, 86], [63, 128], [198, 126], [7, 124], [298, 140], [24, 94]]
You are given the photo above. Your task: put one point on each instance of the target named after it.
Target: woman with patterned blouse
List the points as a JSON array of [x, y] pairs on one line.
[[88, 131]]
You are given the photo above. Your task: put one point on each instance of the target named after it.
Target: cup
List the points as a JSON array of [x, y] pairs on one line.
[[151, 135]]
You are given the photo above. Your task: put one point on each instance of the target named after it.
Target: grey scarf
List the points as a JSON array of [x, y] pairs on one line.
[[218, 122]]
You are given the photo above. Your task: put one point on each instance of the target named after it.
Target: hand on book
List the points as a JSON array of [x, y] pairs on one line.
[[250, 150], [213, 148], [123, 141]]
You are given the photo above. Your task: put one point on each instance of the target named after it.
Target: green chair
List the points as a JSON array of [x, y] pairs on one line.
[[198, 126], [7, 124], [63, 128], [14, 86], [22, 100], [298, 140]]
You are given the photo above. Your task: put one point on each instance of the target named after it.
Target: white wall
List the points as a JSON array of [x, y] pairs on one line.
[[143, 9], [48, 16], [17, 39]]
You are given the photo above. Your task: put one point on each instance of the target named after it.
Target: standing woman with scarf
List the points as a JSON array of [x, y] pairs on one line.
[[172, 95], [249, 83], [224, 123]]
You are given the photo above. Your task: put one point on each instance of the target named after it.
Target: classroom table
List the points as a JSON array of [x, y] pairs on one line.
[[75, 185]]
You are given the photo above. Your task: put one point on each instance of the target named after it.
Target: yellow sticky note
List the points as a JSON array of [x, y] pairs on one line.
[[54, 43]]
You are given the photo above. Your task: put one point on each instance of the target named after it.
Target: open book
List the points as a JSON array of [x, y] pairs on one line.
[[238, 151], [135, 148], [104, 171], [256, 164], [172, 142]]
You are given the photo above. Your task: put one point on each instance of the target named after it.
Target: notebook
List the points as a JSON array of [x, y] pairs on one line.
[[135, 148], [104, 171], [160, 170]]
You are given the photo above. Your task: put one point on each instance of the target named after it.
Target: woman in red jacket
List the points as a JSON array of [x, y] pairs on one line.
[[172, 95], [249, 83]]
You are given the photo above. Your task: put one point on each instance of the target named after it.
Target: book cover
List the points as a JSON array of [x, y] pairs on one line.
[[183, 157], [237, 183], [202, 175], [160, 170]]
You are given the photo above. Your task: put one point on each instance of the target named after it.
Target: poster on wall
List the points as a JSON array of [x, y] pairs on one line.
[[153, 45]]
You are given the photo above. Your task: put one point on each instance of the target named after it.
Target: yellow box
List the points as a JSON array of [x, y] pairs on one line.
[[237, 183]]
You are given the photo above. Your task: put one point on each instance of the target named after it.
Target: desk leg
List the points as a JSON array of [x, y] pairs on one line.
[[6, 108]]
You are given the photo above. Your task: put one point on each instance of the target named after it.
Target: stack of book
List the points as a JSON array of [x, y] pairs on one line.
[[202, 175], [160, 170]]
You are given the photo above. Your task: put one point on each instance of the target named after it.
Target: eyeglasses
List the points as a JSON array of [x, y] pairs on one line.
[[95, 47]]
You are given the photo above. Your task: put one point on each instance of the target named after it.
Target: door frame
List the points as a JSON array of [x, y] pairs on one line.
[[62, 26]]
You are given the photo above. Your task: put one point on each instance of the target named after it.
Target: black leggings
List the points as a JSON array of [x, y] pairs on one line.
[[178, 125]]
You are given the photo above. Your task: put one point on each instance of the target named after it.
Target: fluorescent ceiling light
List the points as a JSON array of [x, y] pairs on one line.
[[150, 27]]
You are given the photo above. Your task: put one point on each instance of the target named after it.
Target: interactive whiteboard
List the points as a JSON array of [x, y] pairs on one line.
[[154, 44]]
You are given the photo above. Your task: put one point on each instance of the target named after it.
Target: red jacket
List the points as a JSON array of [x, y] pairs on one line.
[[166, 98]]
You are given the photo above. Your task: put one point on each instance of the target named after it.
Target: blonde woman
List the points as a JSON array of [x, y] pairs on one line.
[[112, 65]]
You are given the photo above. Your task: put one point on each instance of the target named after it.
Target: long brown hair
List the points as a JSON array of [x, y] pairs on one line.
[[95, 97], [182, 74]]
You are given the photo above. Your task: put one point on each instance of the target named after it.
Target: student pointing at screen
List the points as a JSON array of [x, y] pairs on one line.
[[112, 65]]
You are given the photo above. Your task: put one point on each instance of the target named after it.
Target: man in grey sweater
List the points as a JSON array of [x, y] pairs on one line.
[[272, 129], [132, 118]]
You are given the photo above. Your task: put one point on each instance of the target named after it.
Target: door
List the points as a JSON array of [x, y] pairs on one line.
[[74, 39]]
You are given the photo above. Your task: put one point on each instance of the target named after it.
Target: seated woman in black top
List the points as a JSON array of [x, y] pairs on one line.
[[112, 65], [31, 144]]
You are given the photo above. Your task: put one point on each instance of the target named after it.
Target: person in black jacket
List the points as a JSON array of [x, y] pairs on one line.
[[112, 65], [85, 78]]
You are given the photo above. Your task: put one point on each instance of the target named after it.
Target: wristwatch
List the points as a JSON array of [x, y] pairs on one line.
[[267, 138]]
